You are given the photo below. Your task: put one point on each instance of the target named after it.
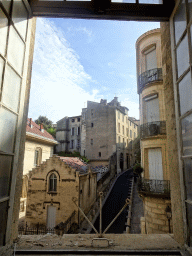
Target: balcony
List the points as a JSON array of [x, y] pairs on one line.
[[153, 129], [152, 75], [156, 188]]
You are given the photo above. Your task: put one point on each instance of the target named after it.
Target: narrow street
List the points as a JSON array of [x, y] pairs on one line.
[[113, 205]]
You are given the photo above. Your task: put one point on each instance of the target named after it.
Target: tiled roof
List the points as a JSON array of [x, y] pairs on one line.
[[74, 162], [36, 130]]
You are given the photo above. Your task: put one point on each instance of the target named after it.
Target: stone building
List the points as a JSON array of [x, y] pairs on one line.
[[53, 185], [69, 134], [155, 187], [102, 130], [39, 146], [18, 36]]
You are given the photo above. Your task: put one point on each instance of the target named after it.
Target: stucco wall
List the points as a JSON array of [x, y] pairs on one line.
[[30, 147]]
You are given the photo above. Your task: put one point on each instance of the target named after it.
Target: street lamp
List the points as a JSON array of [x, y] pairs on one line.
[[169, 215]]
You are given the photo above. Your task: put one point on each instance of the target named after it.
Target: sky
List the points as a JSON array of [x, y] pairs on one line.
[[77, 60]]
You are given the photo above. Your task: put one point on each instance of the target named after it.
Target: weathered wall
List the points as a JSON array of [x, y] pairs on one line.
[[68, 186], [30, 147], [155, 215], [103, 132], [178, 228]]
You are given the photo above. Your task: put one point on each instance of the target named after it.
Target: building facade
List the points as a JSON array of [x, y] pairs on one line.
[[155, 187], [69, 134], [102, 130], [52, 187], [39, 146]]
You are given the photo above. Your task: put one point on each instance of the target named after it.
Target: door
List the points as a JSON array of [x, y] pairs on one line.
[[155, 164], [14, 56], [152, 108], [51, 215]]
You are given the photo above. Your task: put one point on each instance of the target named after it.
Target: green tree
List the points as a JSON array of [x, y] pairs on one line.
[[45, 121], [52, 131]]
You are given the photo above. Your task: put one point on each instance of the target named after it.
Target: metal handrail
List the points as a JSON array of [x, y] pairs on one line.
[[153, 129], [154, 187], [149, 76]]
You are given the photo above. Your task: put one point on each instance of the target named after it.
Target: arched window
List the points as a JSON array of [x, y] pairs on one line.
[[52, 183]]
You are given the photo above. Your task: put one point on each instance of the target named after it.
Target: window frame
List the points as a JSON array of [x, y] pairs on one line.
[[54, 180]]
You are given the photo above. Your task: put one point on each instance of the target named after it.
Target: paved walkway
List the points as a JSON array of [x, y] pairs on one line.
[[137, 212]]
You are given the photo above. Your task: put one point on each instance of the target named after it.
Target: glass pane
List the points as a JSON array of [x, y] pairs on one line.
[[151, 1], [11, 89], [1, 70], [185, 93], [5, 174], [3, 32], [190, 8], [188, 178], [19, 17], [7, 130], [182, 62], [15, 50], [180, 22], [189, 220], [124, 1], [7, 5], [186, 135], [3, 217]]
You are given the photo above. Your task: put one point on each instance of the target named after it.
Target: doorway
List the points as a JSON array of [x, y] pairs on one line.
[[51, 216]]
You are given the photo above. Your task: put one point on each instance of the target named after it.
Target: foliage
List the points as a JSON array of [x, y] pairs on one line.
[[137, 149], [52, 131], [137, 169], [73, 154], [45, 121]]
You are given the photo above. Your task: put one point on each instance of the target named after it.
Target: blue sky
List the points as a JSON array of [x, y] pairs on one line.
[[78, 60]]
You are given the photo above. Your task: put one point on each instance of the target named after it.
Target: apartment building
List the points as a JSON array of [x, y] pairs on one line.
[[155, 187], [102, 130]]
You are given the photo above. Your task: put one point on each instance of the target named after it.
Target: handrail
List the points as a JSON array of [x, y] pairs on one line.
[[153, 129], [149, 76], [154, 187]]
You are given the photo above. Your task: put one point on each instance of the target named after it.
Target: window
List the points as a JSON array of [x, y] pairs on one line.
[[118, 115], [127, 132], [52, 183], [134, 135], [99, 154], [150, 58], [73, 120], [152, 108], [123, 129], [119, 130], [119, 139], [72, 131], [78, 130], [134, 126], [123, 142], [130, 123], [122, 117], [92, 112], [72, 144], [131, 133], [78, 143], [91, 124], [78, 119], [91, 141], [38, 156]]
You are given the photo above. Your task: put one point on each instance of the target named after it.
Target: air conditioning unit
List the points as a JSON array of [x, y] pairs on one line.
[[153, 129]]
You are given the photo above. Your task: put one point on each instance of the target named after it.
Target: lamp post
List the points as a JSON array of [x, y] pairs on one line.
[[169, 215]]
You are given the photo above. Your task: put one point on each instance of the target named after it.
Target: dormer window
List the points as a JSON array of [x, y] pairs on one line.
[[53, 183]]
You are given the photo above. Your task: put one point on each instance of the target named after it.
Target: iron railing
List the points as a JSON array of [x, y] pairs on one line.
[[153, 129], [149, 76], [61, 228], [154, 187]]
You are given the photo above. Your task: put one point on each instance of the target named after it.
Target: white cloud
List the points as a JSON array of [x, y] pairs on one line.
[[58, 80]]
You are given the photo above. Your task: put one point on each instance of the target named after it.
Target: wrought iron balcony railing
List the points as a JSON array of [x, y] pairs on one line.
[[153, 129], [149, 76], [159, 188]]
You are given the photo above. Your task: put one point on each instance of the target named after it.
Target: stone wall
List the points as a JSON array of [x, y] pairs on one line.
[[155, 215]]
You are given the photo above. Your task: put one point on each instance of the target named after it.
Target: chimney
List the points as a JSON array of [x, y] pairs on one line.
[[30, 123], [41, 128]]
